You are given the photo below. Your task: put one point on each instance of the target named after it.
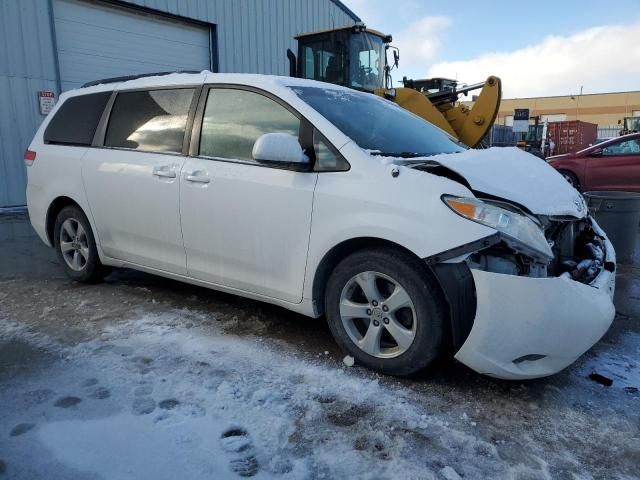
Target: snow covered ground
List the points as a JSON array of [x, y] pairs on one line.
[[151, 399], [143, 378], [170, 395]]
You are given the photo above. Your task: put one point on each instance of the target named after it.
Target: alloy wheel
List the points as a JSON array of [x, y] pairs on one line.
[[74, 244], [378, 314]]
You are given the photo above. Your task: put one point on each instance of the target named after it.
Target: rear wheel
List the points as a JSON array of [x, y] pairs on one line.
[[386, 311], [571, 178], [76, 246]]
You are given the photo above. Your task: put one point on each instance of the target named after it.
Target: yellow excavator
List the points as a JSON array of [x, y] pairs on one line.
[[356, 57]]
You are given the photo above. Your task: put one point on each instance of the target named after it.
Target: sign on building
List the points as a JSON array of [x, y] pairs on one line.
[[521, 120], [47, 100]]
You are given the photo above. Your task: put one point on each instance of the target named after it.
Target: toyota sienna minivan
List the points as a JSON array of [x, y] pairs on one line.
[[326, 201]]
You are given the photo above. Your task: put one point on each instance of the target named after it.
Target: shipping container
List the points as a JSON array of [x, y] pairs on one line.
[[571, 136]]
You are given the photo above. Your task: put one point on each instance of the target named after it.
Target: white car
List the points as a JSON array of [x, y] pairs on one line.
[[326, 201]]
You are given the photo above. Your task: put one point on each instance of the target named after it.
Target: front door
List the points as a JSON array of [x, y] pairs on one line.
[[245, 225], [133, 182], [618, 168]]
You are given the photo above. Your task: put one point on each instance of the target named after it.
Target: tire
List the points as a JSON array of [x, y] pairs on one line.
[[352, 314], [76, 247], [571, 178]]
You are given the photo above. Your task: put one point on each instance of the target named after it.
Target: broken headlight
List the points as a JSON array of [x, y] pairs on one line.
[[515, 227]]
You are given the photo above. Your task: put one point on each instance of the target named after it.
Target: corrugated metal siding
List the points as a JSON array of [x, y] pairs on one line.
[[95, 41], [252, 36], [26, 66]]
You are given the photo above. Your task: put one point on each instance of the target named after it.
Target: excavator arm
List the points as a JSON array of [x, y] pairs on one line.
[[472, 124]]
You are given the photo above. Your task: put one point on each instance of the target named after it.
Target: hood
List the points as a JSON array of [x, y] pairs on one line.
[[517, 176]]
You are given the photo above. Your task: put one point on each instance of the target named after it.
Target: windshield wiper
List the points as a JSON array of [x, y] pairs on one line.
[[399, 154]]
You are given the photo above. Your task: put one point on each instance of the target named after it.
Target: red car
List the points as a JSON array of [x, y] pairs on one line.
[[611, 165]]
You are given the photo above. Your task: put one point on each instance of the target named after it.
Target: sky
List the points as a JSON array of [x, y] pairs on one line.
[[537, 48]]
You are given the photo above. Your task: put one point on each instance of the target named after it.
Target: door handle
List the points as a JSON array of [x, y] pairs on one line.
[[164, 171], [192, 177]]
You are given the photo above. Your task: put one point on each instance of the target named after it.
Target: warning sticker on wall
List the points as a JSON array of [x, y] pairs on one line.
[[47, 100]]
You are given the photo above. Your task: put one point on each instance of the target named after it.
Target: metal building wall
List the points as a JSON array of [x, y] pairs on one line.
[[252, 36], [27, 65]]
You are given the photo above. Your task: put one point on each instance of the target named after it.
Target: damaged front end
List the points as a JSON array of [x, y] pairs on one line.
[[528, 300], [543, 289]]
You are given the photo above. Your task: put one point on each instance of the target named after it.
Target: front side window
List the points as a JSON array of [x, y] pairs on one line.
[[326, 159], [150, 120], [376, 124], [235, 119], [628, 147]]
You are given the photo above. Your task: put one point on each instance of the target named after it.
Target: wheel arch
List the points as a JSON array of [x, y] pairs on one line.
[[338, 253], [52, 213], [567, 170], [454, 281]]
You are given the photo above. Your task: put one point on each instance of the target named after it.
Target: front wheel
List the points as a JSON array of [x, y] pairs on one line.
[[76, 246], [386, 311]]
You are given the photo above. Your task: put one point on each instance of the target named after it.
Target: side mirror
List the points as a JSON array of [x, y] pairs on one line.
[[278, 147], [596, 153]]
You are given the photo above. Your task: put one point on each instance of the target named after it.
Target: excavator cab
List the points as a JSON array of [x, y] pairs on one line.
[[352, 56], [629, 125]]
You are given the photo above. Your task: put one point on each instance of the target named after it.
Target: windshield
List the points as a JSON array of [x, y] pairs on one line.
[[378, 125], [366, 62]]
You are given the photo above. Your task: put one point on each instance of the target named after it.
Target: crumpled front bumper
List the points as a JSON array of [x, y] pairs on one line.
[[533, 327]]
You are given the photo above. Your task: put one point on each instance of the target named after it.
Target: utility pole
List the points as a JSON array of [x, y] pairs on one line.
[[578, 102]]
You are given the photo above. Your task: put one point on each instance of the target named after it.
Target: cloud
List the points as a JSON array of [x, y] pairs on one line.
[[418, 37], [420, 42], [601, 59]]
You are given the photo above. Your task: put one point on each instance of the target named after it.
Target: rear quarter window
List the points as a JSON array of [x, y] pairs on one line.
[[75, 122]]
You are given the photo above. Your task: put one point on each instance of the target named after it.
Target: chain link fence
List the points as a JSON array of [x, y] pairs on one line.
[[608, 132]]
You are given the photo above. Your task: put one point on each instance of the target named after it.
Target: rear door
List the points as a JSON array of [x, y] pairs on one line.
[[618, 168], [132, 181], [246, 225]]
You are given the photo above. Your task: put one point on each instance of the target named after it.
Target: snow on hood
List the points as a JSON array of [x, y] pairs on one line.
[[512, 174]]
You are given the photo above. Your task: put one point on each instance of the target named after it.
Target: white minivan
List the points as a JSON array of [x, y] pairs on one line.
[[326, 201]]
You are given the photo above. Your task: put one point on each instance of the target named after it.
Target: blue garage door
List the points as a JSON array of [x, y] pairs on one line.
[[98, 40]]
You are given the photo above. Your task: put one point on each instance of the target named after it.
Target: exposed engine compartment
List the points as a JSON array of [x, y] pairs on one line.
[[578, 252]]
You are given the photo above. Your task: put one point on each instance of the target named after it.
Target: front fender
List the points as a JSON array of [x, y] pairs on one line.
[[405, 210]]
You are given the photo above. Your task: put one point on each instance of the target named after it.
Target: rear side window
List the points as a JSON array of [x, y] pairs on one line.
[[76, 120], [150, 120]]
